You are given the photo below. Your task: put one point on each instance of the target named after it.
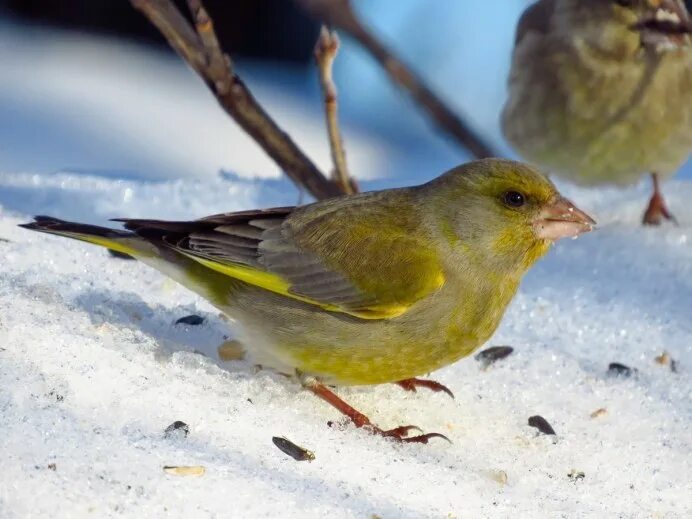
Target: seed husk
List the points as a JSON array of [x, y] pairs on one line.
[[185, 470], [176, 427], [191, 320], [491, 355], [617, 369], [541, 424], [294, 451], [599, 412]]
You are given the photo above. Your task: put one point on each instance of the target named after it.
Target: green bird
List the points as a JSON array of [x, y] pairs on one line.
[[369, 288], [600, 91]]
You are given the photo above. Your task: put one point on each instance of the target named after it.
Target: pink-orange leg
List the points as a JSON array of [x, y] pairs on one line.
[[360, 420], [657, 209], [410, 384]]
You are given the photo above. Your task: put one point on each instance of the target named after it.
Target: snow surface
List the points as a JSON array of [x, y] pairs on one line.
[[93, 368]]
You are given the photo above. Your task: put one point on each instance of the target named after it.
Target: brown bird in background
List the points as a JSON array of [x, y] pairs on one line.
[[600, 91]]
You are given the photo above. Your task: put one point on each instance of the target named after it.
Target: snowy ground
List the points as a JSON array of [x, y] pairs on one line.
[[93, 368]]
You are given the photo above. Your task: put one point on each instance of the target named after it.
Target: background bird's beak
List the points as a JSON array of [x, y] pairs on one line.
[[562, 219], [666, 23]]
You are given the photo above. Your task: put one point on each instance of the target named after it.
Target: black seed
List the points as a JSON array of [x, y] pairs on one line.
[[673, 366], [52, 466], [615, 368], [491, 355], [192, 320], [120, 255], [176, 427], [541, 424], [293, 450]]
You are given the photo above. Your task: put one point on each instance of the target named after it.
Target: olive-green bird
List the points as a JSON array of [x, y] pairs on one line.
[[362, 289], [600, 91]]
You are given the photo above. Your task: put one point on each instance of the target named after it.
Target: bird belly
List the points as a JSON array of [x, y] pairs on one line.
[[608, 127], [289, 335]]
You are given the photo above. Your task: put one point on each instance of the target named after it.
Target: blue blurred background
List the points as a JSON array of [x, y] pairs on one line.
[[90, 88]]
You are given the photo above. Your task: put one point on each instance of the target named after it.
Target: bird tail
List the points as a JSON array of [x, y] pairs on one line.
[[120, 241]]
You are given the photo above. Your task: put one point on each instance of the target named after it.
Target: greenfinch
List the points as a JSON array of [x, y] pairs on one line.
[[369, 288], [600, 91]]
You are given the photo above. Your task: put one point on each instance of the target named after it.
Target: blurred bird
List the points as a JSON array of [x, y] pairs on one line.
[[600, 91], [363, 289]]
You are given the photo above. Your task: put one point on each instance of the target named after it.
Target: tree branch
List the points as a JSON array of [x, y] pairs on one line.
[[199, 47], [339, 14], [325, 51]]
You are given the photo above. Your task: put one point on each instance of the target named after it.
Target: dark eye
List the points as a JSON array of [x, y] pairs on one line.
[[625, 3], [513, 199]]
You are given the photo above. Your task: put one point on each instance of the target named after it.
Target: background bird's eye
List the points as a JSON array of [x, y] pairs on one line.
[[625, 3], [514, 199]]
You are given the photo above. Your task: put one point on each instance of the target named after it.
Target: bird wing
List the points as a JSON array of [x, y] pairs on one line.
[[355, 258], [536, 18]]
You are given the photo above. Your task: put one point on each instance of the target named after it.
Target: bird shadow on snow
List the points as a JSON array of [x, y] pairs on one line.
[[128, 310]]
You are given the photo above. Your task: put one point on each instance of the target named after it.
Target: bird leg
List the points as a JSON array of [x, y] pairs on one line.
[[657, 209], [360, 420], [410, 384]]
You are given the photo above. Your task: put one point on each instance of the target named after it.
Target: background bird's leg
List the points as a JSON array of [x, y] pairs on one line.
[[410, 384], [360, 420], [657, 209]]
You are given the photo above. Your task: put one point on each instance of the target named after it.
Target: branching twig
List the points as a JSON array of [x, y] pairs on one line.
[[325, 51], [339, 14], [199, 47]]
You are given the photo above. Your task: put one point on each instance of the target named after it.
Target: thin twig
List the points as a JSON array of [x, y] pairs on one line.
[[325, 51], [199, 47], [339, 14]]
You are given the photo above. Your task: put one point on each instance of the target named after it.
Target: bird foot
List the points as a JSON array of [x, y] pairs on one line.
[[400, 434], [410, 384], [657, 211]]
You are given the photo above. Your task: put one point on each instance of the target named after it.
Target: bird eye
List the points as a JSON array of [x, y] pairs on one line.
[[514, 199], [625, 3]]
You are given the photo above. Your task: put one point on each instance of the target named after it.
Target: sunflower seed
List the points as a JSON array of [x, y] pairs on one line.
[[615, 369], [176, 429], [293, 450], [192, 320], [491, 355], [541, 424], [191, 470]]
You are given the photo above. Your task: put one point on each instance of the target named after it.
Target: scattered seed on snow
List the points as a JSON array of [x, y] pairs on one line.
[[294, 451], [177, 428], [192, 320], [491, 355], [541, 424], [615, 369], [599, 412], [190, 470]]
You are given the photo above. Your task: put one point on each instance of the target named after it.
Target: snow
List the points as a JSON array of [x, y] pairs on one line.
[[93, 368]]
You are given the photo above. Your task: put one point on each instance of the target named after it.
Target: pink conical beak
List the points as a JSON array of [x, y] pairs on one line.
[[562, 219]]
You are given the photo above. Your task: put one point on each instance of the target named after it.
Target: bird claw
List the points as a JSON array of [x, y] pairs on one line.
[[657, 210], [410, 384]]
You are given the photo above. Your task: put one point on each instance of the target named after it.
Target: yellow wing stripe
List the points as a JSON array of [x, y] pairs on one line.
[[279, 285], [116, 245]]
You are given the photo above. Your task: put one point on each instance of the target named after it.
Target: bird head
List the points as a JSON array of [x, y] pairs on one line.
[[623, 27], [502, 211]]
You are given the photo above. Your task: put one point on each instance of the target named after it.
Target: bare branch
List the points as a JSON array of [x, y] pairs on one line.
[[339, 14], [325, 51], [199, 47]]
